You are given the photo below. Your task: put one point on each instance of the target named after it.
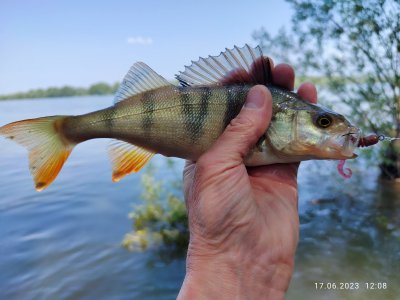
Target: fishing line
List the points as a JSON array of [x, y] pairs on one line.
[[387, 138]]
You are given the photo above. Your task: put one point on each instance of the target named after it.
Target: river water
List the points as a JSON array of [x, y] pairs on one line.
[[65, 242]]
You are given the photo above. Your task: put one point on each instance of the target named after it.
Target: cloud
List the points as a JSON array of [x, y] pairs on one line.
[[139, 40]]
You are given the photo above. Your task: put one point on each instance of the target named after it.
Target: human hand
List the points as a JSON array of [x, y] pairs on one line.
[[243, 222]]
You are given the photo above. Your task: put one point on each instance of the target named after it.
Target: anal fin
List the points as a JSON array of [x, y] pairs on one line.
[[127, 158]]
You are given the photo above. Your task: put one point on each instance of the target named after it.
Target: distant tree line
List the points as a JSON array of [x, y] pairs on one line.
[[100, 88]]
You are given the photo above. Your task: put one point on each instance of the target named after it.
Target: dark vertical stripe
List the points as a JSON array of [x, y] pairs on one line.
[[235, 98], [203, 112], [195, 114], [187, 110], [148, 105], [109, 118]]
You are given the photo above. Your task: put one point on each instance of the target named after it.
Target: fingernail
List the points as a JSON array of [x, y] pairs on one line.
[[255, 99]]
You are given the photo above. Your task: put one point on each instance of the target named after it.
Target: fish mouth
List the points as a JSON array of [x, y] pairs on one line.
[[349, 141], [342, 146]]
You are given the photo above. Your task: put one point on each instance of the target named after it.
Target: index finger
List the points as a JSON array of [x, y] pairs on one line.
[[308, 92], [283, 76]]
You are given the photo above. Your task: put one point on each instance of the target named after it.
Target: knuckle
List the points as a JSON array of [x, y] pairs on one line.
[[202, 162], [242, 124], [245, 126]]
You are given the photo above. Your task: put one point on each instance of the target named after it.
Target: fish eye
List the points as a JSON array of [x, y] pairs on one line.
[[324, 121]]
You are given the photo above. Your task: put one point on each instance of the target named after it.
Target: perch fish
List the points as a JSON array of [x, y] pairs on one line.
[[150, 115]]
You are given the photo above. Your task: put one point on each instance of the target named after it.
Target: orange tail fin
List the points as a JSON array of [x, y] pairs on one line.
[[48, 150]]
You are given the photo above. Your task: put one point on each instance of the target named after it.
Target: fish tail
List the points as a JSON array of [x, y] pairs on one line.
[[48, 148]]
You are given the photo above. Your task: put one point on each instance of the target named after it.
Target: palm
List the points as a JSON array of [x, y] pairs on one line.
[[256, 209]]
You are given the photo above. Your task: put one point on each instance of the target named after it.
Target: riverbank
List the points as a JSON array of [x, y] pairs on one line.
[[97, 89]]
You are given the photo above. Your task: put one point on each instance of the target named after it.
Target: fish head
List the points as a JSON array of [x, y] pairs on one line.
[[310, 131], [324, 134]]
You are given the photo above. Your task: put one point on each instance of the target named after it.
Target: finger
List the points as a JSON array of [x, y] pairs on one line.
[[308, 92], [243, 131], [188, 174], [188, 171], [283, 76], [189, 164], [271, 63]]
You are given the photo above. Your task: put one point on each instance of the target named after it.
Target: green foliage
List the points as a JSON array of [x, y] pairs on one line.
[[355, 47], [161, 220], [100, 88]]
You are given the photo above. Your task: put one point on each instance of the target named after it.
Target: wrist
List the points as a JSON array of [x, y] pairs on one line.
[[230, 275]]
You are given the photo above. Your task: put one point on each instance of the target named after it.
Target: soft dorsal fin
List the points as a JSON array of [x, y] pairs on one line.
[[139, 79], [127, 158], [244, 65]]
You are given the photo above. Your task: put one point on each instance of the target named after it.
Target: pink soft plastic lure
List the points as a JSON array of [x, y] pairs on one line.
[[346, 173], [364, 141]]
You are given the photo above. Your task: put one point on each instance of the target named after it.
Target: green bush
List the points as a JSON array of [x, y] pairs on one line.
[[161, 221]]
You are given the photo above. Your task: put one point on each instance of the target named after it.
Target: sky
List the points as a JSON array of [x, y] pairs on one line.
[[54, 43]]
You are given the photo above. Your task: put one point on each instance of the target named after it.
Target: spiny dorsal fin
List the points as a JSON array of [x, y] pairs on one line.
[[244, 65], [127, 158], [139, 79]]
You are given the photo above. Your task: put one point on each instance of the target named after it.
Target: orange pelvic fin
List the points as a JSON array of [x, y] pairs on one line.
[[127, 158], [47, 149]]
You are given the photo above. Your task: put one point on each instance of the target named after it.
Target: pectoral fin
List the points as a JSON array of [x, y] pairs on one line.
[[127, 158]]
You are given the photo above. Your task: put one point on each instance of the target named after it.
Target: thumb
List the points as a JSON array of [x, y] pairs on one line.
[[243, 131]]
